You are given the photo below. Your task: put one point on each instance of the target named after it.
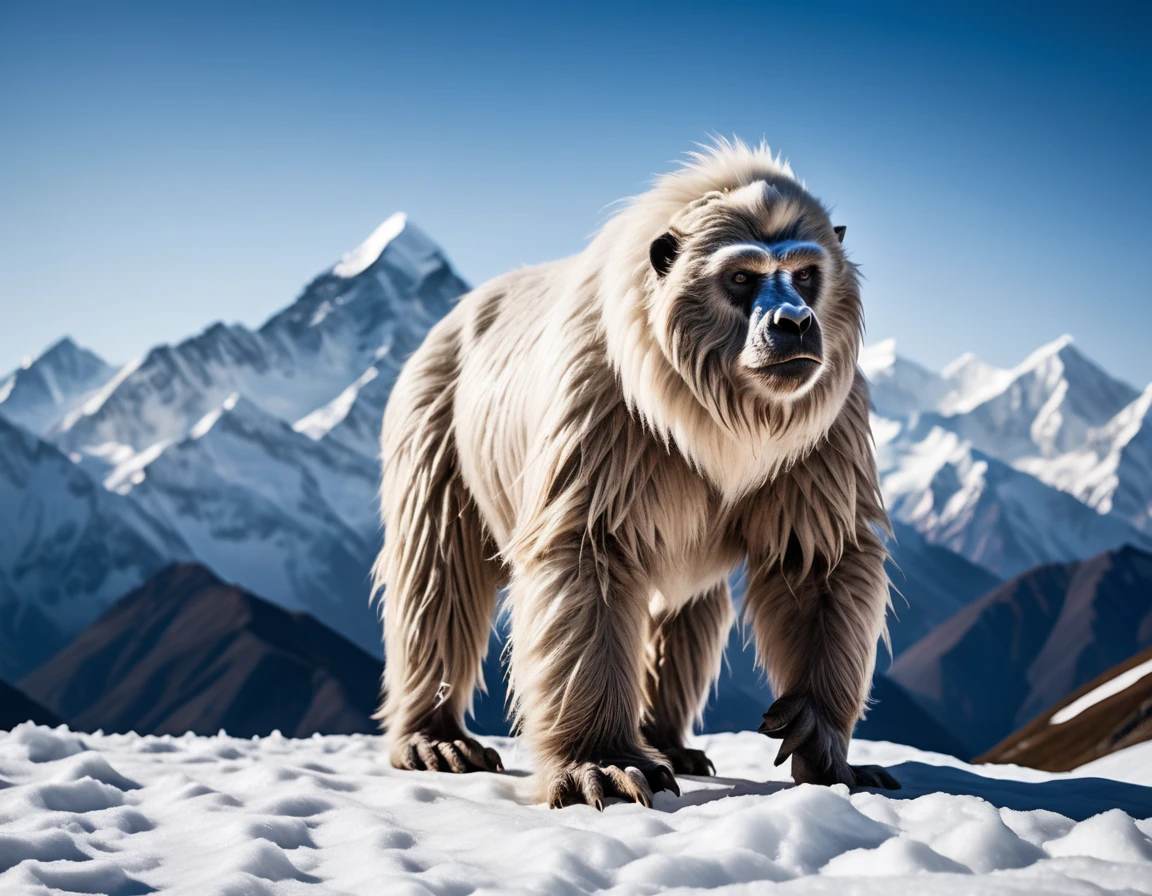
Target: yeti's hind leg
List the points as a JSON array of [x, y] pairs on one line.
[[685, 649], [440, 578]]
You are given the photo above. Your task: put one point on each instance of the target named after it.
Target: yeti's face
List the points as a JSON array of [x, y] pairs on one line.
[[753, 298]]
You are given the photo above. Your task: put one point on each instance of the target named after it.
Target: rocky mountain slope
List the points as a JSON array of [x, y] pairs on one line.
[[187, 652], [1110, 713], [1029, 643], [68, 549]]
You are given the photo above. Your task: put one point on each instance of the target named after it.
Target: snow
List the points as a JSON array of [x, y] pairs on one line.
[[1132, 764], [321, 421], [972, 380], [366, 254], [48, 387], [67, 546], [877, 358], [1121, 682], [124, 814], [289, 518]]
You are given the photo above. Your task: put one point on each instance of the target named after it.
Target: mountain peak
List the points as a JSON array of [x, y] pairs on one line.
[[65, 351], [1057, 347], [365, 255], [64, 345], [47, 387], [878, 356], [957, 366]]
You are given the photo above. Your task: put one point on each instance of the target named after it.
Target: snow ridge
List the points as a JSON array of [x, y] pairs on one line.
[[366, 254]]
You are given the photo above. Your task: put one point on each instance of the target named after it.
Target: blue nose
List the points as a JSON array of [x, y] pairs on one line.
[[794, 319]]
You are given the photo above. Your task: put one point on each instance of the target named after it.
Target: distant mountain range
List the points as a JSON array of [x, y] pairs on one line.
[[251, 451], [38, 395], [254, 453], [187, 652], [1046, 462], [69, 548], [1029, 643]]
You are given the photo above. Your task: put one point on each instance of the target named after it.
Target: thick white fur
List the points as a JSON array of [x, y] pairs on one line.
[[584, 432]]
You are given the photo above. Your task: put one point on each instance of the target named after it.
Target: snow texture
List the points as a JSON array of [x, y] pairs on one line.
[[123, 814], [363, 256], [1121, 682]]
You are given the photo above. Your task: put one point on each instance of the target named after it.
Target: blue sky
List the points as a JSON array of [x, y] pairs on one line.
[[165, 167]]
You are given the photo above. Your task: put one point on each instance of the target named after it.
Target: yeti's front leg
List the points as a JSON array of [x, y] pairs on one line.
[[579, 618], [816, 627]]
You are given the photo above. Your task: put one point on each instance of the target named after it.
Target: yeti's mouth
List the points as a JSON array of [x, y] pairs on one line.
[[796, 367]]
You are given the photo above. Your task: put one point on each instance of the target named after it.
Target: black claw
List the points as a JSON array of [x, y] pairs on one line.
[[665, 780], [492, 760], [781, 713], [712, 767], [797, 733]]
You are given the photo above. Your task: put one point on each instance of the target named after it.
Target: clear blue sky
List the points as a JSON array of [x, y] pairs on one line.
[[163, 166]]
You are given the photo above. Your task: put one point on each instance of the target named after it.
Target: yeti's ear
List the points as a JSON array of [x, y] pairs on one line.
[[840, 230], [663, 251]]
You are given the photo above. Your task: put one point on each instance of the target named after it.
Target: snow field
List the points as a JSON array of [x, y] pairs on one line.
[[123, 814]]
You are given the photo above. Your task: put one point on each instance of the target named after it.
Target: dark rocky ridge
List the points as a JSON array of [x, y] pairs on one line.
[[187, 652]]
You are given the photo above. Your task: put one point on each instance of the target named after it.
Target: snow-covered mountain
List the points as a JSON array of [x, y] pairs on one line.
[[68, 548], [983, 509], [375, 305], [901, 386], [289, 518], [45, 389], [1045, 408], [195, 447], [1112, 471], [982, 460], [353, 417]]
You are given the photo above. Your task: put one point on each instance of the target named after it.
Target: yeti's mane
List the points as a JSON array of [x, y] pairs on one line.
[[738, 441]]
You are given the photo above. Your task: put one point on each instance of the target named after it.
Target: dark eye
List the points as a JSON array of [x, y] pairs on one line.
[[803, 275], [740, 277]]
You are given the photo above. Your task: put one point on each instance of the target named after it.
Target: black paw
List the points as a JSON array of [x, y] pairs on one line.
[[444, 753], [874, 776], [634, 779], [817, 749], [686, 761]]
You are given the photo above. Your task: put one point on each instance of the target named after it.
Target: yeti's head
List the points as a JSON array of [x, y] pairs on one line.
[[750, 296], [731, 307]]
